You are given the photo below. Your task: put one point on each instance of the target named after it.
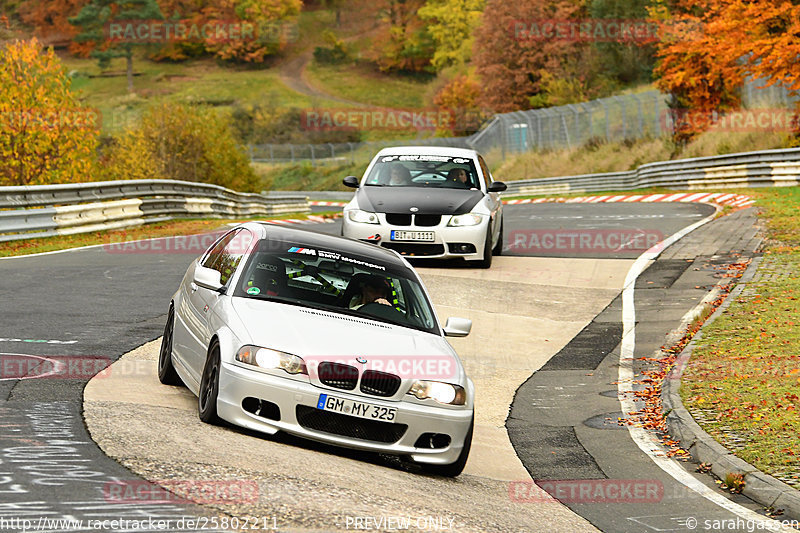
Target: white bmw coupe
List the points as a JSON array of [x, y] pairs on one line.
[[283, 329]]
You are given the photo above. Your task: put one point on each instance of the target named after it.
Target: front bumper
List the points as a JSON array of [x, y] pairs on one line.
[[236, 384], [444, 246]]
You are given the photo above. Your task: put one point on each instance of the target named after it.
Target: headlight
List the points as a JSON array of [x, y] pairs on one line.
[[271, 359], [470, 219], [441, 392], [364, 217]]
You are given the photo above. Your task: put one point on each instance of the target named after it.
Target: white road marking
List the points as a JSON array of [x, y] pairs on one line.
[[645, 440]]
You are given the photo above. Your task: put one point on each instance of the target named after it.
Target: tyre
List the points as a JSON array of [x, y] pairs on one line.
[[498, 248], [166, 371], [454, 469], [209, 387]]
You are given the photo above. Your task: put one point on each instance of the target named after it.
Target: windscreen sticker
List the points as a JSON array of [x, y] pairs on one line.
[[253, 291], [267, 266], [438, 158], [339, 257], [306, 251]]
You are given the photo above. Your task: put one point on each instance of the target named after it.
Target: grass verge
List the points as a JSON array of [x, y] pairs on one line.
[[742, 384], [149, 231]]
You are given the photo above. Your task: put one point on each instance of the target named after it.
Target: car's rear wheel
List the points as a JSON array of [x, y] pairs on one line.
[[166, 371], [454, 469], [498, 248], [209, 387]]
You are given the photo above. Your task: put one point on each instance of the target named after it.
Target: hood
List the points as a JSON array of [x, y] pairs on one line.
[[317, 336], [429, 201]]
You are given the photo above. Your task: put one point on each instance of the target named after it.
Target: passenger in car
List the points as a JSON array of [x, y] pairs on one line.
[[399, 175]]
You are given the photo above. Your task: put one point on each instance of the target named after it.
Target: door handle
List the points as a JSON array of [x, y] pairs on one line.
[[193, 286]]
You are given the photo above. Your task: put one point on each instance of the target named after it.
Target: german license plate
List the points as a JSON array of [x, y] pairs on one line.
[[354, 408], [412, 235]]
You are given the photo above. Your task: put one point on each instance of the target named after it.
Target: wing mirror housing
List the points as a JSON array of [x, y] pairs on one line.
[[351, 181], [457, 327], [497, 186], [208, 278]]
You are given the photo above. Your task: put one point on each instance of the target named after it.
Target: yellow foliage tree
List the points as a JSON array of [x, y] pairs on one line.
[[178, 142], [45, 135]]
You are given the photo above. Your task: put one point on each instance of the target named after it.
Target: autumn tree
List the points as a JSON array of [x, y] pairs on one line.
[[179, 142], [272, 20], [45, 135], [404, 44], [460, 100], [451, 24], [712, 46], [50, 19], [95, 18], [511, 55]]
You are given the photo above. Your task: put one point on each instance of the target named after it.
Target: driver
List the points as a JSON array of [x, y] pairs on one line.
[[374, 289], [458, 176]]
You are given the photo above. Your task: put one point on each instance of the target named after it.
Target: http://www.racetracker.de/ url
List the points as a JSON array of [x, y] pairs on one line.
[[201, 523]]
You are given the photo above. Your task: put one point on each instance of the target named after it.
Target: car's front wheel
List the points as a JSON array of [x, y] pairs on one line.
[[209, 387], [166, 371], [454, 469], [498, 248], [486, 262]]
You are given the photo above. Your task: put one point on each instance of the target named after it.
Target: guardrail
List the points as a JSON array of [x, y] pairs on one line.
[[45, 210], [770, 168]]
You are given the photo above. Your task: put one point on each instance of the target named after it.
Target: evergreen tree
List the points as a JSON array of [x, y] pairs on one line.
[[94, 20]]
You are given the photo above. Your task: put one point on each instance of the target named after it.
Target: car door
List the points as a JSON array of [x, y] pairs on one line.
[[224, 257], [493, 201]]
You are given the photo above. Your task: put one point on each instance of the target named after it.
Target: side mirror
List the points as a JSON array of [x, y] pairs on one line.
[[497, 186], [208, 278], [351, 181], [457, 327]]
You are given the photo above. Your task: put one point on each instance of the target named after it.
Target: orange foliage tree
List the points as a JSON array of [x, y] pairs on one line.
[[45, 135], [709, 47], [50, 21]]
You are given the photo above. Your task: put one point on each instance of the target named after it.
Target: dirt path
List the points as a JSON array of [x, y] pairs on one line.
[[293, 74]]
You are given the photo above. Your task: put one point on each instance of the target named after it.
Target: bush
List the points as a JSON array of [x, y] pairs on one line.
[[185, 143], [333, 54]]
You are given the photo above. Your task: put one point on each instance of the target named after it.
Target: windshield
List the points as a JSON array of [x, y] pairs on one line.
[[293, 273], [424, 171]]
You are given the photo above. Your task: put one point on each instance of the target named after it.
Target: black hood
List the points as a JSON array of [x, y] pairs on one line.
[[428, 201]]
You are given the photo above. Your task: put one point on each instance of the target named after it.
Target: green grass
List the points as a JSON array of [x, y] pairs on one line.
[[197, 82], [363, 83], [743, 381]]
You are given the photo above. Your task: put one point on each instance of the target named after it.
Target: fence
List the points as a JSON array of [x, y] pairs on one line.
[[332, 152], [47, 210], [630, 116]]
